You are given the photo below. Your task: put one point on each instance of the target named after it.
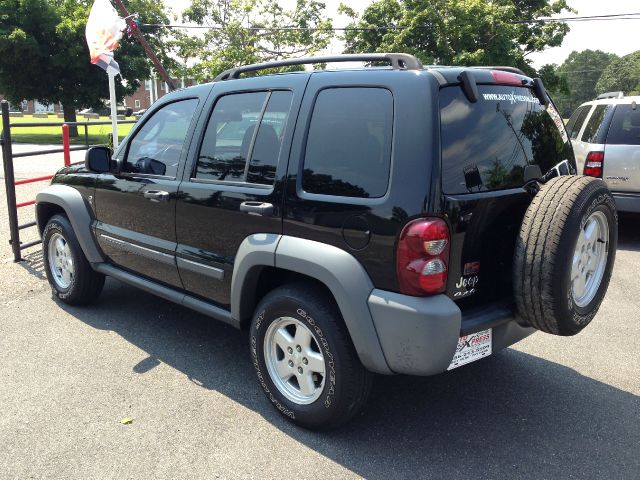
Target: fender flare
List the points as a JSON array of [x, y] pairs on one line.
[[78, 212], [337, 269]]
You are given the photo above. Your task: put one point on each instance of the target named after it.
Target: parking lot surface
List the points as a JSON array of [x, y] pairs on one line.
[[547, 408]]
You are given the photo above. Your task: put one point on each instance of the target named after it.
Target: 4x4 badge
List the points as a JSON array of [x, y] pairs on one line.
[[471, 268]]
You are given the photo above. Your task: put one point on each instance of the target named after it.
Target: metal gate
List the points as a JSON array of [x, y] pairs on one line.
[[8, 158]]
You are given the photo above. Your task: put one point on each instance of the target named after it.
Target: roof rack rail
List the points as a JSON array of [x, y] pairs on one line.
[[399, 61], [503, 68], [602, 96]]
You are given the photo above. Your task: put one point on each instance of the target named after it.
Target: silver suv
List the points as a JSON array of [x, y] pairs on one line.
[[605, 134]]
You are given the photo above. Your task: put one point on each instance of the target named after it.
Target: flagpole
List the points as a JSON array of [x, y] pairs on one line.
[[114, 109]]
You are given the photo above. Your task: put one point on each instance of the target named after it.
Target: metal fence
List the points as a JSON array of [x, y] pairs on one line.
[[8, 158]]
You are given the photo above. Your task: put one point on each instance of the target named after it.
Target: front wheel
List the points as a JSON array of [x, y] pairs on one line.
[[305, 360], [69, 273]]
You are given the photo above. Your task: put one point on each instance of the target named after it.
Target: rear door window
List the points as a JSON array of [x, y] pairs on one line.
[[243, 138], [268, 141], [487, 145], [225, 148], [594, 124], [625, 126], [577, 120]]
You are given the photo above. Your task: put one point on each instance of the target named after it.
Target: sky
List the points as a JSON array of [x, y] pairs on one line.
[[616, 36]]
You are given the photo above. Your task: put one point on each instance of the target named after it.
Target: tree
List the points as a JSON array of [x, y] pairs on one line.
[[242, 31], [553, 80], [45, 55], [622, 74], [459, 32], [580, 71]]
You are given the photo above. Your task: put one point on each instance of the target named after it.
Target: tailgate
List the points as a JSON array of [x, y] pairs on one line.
[[622, 150], [491, 148], [622, 167]]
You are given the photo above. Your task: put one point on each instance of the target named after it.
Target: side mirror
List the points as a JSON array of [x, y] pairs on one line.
[[98, 159]]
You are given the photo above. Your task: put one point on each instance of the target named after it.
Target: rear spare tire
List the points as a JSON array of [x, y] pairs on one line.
[[564, 254]]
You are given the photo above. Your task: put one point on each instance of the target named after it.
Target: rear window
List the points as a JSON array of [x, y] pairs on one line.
[[488, 144], [577, 120], [594, 124], [625, 126]]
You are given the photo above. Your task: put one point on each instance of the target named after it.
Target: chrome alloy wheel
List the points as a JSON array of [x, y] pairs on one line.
[[294, 360], [60, 261], [590, 259]]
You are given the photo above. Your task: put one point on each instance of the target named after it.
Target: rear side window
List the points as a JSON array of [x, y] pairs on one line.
[[487, 145], [625, 126], [348, 151], [594, 124], [577, 120], [243, 138]]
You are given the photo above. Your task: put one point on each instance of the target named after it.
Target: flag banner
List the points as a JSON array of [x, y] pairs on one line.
[[104, 30], [106, 61]]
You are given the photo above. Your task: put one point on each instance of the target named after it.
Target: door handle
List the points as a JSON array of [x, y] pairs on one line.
[[156, 195], [257, 208]]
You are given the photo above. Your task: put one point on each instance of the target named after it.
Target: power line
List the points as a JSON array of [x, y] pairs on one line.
[[619, 16], [616, 16], [160, 25]]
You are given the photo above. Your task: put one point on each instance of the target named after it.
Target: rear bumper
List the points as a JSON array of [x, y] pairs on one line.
[[419, 335], [627, 202]]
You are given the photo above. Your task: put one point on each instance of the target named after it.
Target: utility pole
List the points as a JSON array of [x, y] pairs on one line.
[[138, 34]]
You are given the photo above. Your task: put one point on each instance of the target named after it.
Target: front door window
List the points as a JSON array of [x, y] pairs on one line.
[[156, 147]]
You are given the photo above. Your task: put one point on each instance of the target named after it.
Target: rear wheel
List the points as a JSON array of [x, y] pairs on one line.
[[565, 254], [304, 358], [69, 273]]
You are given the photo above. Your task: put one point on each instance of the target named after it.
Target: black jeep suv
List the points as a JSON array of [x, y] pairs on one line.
[[391, 220]]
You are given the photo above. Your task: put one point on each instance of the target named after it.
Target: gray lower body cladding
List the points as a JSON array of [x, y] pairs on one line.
[[627, 202], [419, 335]]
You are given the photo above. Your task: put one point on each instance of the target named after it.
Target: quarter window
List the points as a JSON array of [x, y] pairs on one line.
[[243, 138], [348, 151], [156, 147]]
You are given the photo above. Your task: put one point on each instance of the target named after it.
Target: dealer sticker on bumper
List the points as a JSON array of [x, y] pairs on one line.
[[471, 348]]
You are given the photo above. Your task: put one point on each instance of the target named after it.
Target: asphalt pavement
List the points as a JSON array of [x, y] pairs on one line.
[[547, 408]]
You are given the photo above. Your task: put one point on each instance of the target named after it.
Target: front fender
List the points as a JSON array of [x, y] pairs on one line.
[[78, 212]]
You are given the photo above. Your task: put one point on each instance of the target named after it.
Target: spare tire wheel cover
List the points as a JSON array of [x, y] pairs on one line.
[[564, 254]]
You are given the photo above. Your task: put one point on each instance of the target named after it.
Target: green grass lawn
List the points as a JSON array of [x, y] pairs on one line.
[[98, 134]]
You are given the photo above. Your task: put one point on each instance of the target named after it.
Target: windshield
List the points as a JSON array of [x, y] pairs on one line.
[[488, 145]]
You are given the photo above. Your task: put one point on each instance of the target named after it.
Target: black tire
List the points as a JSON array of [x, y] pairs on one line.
[[545, 249], [347, 383], [85, 284]]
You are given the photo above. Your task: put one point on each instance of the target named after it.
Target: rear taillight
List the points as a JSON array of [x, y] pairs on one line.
[[423, 256], [593, 164]]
